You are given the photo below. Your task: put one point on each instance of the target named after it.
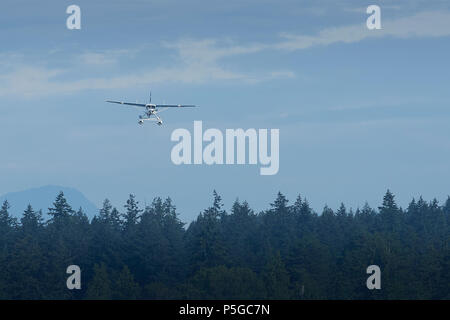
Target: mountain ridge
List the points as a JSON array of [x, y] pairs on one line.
[[42, 198]]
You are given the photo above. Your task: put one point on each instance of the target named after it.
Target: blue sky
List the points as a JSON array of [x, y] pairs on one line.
[[359, 111]]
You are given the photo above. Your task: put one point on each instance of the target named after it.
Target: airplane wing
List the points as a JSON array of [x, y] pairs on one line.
[[127, 103], [175, 106]]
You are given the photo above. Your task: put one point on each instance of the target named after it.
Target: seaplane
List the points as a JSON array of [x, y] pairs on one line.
[[152, 110]]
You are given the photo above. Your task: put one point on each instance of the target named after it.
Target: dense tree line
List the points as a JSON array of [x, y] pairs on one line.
[[285, 252]]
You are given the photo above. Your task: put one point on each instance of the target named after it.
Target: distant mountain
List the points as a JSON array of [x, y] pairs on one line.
[[43, 198]]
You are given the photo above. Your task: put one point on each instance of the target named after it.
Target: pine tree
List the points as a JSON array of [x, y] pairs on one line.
[[105, 212], [61, 210], [99, 288], [389, 202], [280, 203], [342, 211], [132, 214], [31, 220], [206, 238], [115, 220], [6, 221], [389, 212], [125, 288], [276, 278], [216, 210]]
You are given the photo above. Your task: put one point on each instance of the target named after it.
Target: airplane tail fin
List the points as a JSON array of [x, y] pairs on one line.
[[150, 96]]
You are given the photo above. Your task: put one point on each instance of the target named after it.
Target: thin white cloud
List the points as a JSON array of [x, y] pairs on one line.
[[424, 24], [29, 81], [196, 62], [95, 58], [201, 61], [208, 50], [101, 58]]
